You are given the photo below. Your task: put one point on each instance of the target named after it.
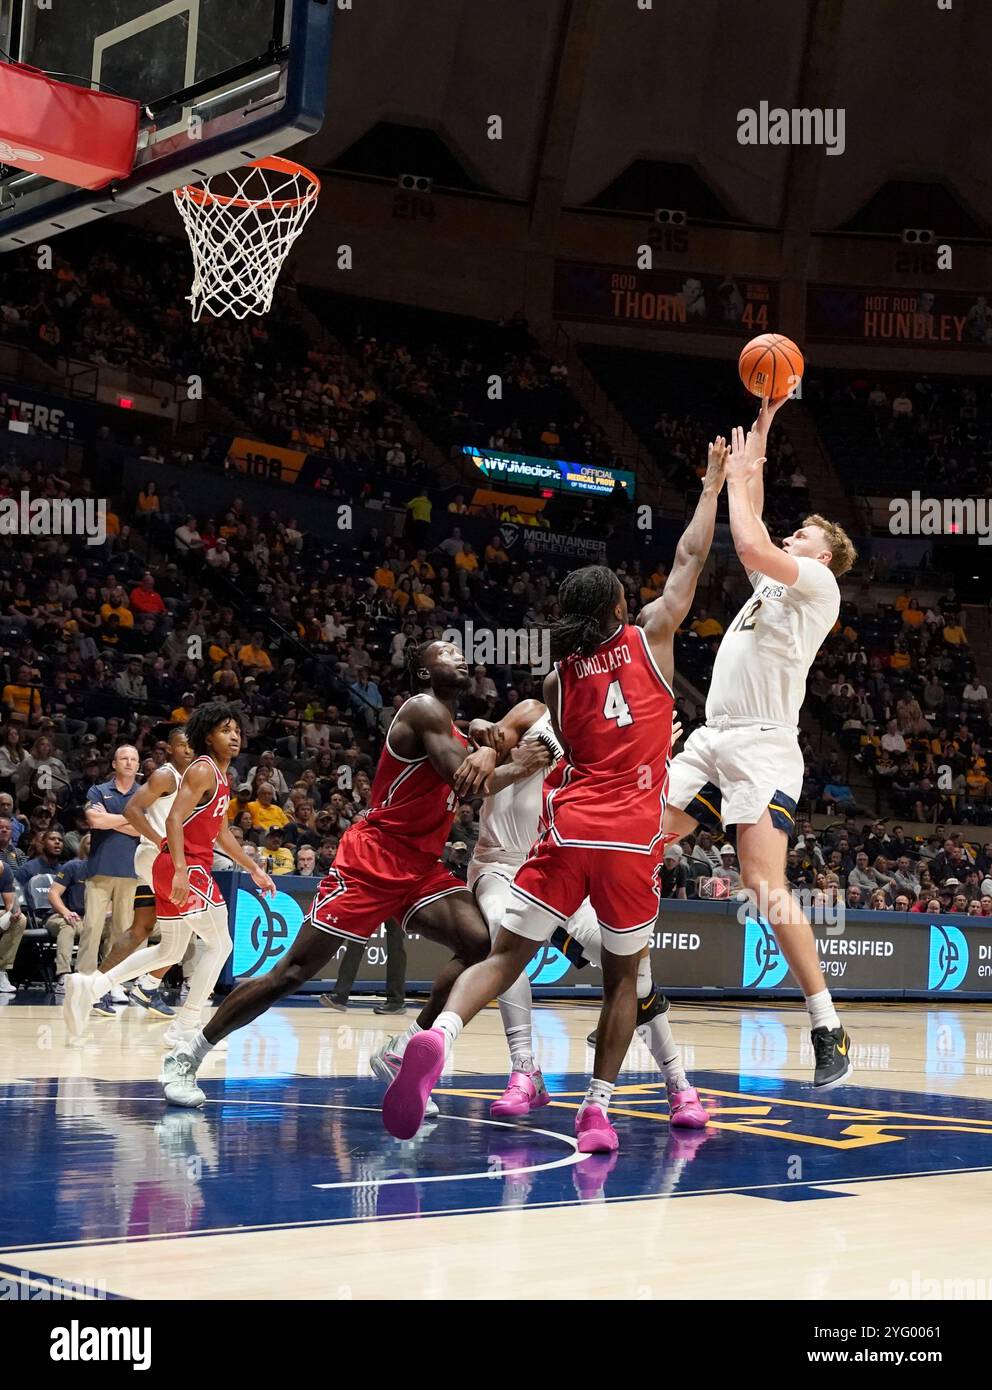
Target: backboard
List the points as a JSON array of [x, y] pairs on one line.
[[222, 82]]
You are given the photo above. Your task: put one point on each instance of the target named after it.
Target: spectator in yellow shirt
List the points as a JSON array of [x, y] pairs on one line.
[[954, 634], [705, 626], [254, 654], [978, 784], [19, 697], [117, 603], [495, 554], [148, 499], [653, 586], [279, 857], [912, 614], [422, 567], [383, 577], [218, 653], [184, 711], [265, 813], [467, 560], [238, 803], [419, 507]]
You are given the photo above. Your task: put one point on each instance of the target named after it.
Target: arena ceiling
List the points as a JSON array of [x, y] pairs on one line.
[[588, 89]]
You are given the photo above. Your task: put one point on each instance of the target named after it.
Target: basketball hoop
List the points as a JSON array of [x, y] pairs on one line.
[[241, 224]]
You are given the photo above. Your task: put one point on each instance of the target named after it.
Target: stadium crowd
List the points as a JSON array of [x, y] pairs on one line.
[[115, 643]]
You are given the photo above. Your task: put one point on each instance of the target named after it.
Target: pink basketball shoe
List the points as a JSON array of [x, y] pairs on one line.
[[595, 1133], [405, 1102], [525, 1091], [686, 1110]]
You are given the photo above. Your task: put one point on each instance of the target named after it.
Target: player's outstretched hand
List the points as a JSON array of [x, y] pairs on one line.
[[766, 414], [716, 463], [263, 882], [676, 729], [746, 457], [471, 776]]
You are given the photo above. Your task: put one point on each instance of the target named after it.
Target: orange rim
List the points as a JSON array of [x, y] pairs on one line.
[[196, 194]]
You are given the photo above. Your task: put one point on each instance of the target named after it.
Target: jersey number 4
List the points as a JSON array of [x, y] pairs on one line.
[[616, 707]]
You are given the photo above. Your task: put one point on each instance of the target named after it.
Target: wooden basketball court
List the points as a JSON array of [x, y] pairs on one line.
[[286, 1186]]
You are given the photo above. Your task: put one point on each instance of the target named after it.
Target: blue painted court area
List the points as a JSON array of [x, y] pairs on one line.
[[109, 1161]]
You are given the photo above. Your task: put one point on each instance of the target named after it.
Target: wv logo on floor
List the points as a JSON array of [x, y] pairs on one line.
[[949, 957], [764, 964], [264, 930]]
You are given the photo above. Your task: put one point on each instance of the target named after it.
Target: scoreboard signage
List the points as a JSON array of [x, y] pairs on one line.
[[899, 318], [682, 300], [558, 474]]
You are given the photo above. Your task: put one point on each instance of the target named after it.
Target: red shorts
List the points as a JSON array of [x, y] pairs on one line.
[[371, 879], [623, 888], [203, 891]]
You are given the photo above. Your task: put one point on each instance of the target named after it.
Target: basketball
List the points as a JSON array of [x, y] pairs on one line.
[[771, 365]]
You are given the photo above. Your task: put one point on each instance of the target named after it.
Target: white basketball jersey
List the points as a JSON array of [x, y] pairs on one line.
[[509, 819], [765, 655], [159, 810]]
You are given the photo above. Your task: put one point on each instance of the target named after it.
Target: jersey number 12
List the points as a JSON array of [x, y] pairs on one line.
[[616, 706]]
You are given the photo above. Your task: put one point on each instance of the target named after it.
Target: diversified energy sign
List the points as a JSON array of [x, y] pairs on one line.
[[527, 471]]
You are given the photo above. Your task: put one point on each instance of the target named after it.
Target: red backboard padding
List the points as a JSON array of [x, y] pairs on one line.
[[67, 133]]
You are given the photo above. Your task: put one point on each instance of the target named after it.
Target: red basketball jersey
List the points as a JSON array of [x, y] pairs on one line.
[[202, 826], [615, 716], [412, 803]]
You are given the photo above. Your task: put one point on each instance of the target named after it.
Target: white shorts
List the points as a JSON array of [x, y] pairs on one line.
[[492, 885], [144, 861], [732, 775]]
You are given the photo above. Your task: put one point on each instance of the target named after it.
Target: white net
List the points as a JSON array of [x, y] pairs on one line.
[[241, 224]]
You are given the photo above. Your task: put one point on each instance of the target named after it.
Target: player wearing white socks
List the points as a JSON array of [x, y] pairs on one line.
[[154, 800], [147, 812], [508, 827], [192, 815], [744, 767]]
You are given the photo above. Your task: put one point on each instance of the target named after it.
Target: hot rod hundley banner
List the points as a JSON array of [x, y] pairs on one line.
[[905, 318]]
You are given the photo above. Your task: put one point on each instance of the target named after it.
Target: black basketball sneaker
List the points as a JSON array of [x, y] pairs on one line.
[[647, 1009], [832, 1050]]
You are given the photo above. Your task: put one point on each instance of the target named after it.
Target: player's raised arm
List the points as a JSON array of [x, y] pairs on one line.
[[661, 617], [516, 760], [430, 722], [755, 548], [508, 731], [756, 482]]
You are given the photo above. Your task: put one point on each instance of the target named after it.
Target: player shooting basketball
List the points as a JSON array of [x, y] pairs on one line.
[[744, 767]]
